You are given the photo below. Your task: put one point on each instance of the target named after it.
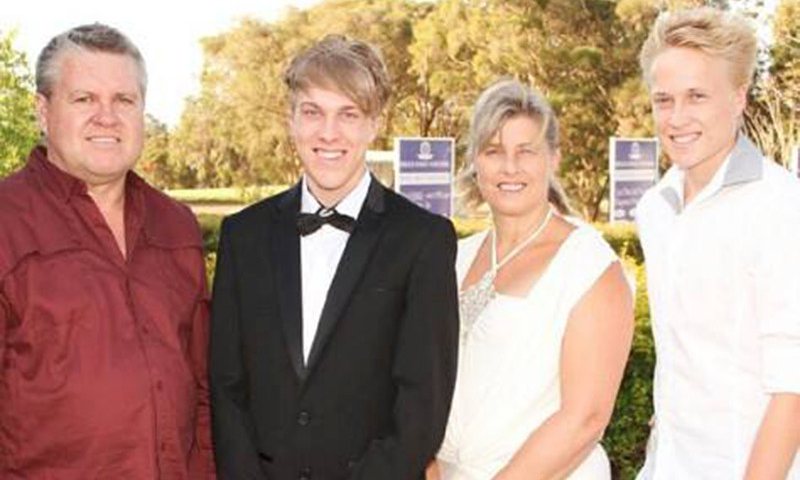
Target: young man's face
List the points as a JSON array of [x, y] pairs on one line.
[[94, 116], [697, 108], [331, 135]]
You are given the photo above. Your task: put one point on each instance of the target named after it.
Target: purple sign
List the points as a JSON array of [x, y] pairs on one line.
[[633, 167], [424, 172], [434, 198], [425, 155], [635, 154], [626, 195]]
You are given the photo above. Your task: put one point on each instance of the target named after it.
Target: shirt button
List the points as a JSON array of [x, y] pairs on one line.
[[159, 385], [303, 418], [163, 446], [145, 330], [305, 474]]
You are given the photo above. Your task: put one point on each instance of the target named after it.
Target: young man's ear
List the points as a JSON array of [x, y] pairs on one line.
[[375, 127], [740, 99]]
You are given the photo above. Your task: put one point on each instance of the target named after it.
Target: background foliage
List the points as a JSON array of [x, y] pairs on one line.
[[18, 131], [581, 54]]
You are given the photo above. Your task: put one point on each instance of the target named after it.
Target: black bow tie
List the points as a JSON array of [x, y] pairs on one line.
[[308, 223]]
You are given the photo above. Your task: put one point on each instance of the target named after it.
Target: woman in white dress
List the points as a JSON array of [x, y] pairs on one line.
[[546, 312]]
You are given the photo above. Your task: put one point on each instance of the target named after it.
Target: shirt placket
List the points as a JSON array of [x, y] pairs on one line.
[[145, 330], [166, 442]]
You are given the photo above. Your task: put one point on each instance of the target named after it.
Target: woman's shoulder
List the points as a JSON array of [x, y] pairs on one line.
[[587, 241]]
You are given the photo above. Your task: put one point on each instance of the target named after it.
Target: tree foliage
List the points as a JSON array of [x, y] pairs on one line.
[[583, 55], [18, 130]]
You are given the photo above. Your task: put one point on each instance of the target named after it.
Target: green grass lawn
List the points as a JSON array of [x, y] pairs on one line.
[[224, 196]]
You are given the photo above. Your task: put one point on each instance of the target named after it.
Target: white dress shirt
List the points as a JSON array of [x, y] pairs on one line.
[[723, 275], [320, 253]]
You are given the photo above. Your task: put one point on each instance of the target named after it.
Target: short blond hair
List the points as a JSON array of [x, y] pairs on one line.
[[717, 33], [348, 66]]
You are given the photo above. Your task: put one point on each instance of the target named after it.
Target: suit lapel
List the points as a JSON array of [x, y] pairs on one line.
[[286, 258], [351, 267]]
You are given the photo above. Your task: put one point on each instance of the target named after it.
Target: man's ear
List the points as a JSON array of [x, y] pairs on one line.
[[42, 104], [375, 126], [740, 99]]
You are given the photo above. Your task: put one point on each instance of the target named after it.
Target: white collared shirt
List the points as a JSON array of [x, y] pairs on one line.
[[320, 253], [723, 275]]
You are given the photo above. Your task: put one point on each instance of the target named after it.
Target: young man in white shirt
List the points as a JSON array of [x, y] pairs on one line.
[[720, 234], [334, 325]]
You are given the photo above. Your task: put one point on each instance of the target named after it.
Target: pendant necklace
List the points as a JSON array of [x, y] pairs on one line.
[[475, 298]]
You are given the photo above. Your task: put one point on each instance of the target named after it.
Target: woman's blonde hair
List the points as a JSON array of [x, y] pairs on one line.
[[500, 102], [717, 33]]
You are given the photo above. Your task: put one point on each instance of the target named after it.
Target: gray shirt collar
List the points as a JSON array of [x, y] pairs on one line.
[[744, 165]]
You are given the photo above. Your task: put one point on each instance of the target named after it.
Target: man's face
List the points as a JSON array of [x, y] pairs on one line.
[[331, 135], [696, 108], [94, 117]]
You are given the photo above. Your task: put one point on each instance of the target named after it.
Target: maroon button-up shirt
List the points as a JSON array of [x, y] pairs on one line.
[[103, 372]]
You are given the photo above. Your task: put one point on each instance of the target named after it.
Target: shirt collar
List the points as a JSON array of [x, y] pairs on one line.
[[66, 186], [349, 205], [53, 179], [743, 165]]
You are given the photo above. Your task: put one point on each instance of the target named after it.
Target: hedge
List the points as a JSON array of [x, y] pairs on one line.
[[626, 436]]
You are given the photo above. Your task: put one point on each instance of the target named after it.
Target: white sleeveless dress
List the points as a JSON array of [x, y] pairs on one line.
[[508, 369]]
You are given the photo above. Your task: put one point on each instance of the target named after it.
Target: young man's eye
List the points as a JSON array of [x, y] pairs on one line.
[[351, 115]]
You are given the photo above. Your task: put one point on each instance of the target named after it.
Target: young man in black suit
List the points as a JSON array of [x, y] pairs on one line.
[[335, 325]]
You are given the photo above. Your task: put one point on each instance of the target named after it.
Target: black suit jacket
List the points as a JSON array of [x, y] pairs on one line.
[[373, 400]]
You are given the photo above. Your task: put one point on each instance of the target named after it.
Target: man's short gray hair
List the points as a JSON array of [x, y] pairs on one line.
[[95, 37]]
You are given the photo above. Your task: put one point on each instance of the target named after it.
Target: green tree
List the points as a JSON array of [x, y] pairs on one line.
[[577, 53], [234, 131], [18, 130], [773, 115]]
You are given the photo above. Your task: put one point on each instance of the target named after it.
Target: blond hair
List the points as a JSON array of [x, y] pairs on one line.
[[717, 33], [350, 67], [500, 102]]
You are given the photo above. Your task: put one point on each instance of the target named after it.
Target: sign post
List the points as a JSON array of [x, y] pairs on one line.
[[633, 167], [424, 172]]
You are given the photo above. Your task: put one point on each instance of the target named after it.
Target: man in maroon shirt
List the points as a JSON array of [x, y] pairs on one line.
[[103, 302]]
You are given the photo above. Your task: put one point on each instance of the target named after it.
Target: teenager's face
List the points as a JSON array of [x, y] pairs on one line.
[[331, 135], [697, 108]]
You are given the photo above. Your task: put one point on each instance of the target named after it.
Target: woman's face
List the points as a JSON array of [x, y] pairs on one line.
[[513, 169]]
